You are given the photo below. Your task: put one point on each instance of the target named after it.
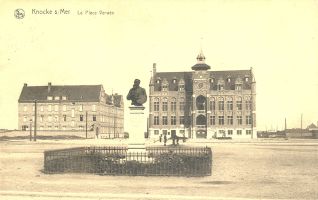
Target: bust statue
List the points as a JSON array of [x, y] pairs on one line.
[[137, 94]]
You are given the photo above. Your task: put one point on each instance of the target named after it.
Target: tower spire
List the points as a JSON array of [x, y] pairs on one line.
[[200, 62]]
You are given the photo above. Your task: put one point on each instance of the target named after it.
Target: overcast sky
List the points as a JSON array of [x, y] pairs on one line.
[[277, 38]]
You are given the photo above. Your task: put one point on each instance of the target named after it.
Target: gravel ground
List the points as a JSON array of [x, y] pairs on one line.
[[275, 169]]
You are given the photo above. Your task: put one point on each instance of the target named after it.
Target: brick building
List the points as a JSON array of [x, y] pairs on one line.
[[202, 103], [71, 108]]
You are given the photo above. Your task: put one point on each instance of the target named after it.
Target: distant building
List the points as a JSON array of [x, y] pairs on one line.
[[203, 103], [71, 108]]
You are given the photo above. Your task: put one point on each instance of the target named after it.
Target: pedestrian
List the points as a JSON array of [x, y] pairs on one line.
[[165, 139], [160, 138]]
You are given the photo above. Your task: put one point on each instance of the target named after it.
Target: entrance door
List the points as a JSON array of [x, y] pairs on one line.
[[173, 133]]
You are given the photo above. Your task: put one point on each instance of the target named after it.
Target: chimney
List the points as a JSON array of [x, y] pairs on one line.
[[49, 87], [25, 85], [154, 70]]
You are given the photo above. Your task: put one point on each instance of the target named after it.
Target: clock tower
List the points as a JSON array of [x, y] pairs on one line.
[[200, 82]]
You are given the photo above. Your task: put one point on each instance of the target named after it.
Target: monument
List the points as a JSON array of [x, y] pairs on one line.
[[137, 121]]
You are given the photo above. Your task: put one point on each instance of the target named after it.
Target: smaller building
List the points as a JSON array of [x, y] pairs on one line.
[[71, 108]]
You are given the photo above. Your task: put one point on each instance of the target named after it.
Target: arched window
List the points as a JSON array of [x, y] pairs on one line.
[[221, 103], [201, 120], [201, 102]]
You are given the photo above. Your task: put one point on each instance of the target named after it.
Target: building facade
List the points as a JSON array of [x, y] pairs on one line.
[[71, 108], [202, 103]]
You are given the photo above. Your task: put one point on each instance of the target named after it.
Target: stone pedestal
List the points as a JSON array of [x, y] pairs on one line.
[[138, 126]]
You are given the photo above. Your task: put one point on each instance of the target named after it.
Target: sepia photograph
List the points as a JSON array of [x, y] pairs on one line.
[[163, 100]]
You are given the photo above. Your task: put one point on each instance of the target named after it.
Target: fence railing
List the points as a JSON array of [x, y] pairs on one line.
[[170, 161]]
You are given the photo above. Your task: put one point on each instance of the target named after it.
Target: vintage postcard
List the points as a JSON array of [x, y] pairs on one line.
[[158, 99]]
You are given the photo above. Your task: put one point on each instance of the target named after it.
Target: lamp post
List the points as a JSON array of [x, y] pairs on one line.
[[30, 129], [35, 113], [86, 126]]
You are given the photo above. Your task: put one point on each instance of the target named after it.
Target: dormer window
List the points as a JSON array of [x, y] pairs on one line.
[[174, 81], [220, 84], [211, 80], [228, 80], [220, 87], [63, 97], [181, 87], [238, 87], [158, 81], [164, 87], [246, 79], [49, 98], [56, 98]]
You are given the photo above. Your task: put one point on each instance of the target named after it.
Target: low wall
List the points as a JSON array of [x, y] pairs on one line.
[[45, 134]]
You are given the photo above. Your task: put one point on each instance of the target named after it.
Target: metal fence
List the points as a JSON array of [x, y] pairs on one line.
[[155, 161]]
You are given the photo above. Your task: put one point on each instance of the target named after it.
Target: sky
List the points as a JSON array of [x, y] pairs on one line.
[[277, 38]]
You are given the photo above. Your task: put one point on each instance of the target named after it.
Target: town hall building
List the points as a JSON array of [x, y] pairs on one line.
[[202, 103]]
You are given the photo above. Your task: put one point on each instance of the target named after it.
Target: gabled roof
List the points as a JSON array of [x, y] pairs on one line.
[[83, 93]]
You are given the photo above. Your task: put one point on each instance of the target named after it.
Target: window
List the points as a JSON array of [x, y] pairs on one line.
[[64, 128], [181, 120], [212, 120], [239, 104], [56, 107], [81, 127], [56, 98], [156, 120], [81, 108], [181, 105], [49, 108], [94, 107], [221, 104], [212, 105], [248, 120], [25, 118], [246, 79], [25, 108], [238, 87], [94, 118], [56, 118], [63, 97], [73, 112], [181, 87], [64, 118], [164, 106], [81, 118], [248, 132], [230, 120], [230, 105], [221, 120], [64, 107], [164, 120], [49, 98], [248, 104], [239, 120], [173, 106], [56, 127], [164, 132], [50, 118], [173, 120], [156, 132], [220, 87], [228, 80], [156, 105], [164, 87], [238, 132], [41, 118], [49, 127], [229, 132]]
